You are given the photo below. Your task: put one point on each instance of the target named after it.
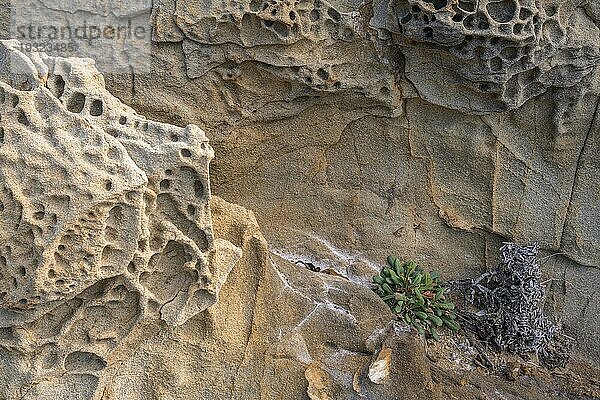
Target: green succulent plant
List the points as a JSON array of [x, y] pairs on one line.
[[416, 296]]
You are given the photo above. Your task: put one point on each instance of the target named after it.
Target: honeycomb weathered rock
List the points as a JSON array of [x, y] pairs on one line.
[[220, 36], [105, 217], [487, 55]]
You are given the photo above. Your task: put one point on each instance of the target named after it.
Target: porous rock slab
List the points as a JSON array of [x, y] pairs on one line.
[[105, 223]]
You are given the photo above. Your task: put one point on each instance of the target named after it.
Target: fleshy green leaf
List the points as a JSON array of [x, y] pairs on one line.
[[436, 320], [421, 315], [434, 333], [391, 260]]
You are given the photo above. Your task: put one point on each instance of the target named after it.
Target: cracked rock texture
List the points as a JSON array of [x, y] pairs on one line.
[[434, 130]]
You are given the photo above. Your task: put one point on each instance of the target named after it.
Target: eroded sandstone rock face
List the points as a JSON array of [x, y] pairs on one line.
[[424, 148], [105, 222], [489, 55], [350, 140], [217, 37]]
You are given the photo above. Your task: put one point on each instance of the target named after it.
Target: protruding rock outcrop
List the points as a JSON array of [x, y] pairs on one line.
[[488, 55], [219, 36], [105, 217]]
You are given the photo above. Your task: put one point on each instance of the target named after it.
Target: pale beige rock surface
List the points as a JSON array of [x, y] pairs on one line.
[[105, 223], [433, 139], [351, 135]]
